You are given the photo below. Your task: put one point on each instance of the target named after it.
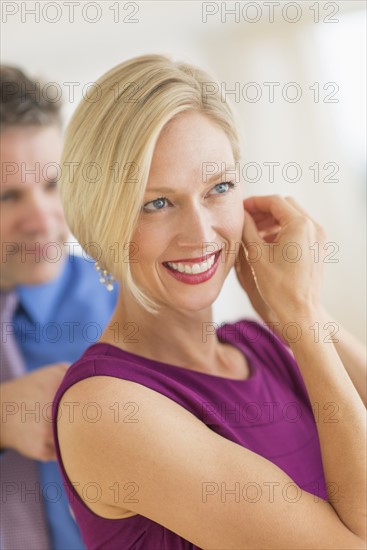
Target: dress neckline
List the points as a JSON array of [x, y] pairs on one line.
[[135, 358]]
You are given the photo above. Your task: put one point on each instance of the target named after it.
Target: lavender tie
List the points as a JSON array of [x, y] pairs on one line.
[[23, 525]]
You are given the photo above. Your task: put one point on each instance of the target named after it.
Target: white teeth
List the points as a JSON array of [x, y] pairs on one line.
[[193, 269]]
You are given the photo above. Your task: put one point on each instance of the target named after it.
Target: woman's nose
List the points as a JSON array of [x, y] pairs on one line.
[[195, 228]]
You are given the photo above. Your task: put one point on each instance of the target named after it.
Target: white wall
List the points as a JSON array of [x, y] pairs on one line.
[[303, 132]]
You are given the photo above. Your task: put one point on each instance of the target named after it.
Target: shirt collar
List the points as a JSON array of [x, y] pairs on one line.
[[40, 301]]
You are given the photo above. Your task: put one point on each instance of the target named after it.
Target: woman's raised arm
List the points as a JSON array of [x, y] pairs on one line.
[[290, 280]]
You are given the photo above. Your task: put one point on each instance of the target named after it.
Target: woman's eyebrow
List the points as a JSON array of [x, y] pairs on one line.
[[160, 190], [221, 175], [209, 181]]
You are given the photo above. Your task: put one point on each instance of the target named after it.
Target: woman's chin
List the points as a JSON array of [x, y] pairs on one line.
[[193, 302]]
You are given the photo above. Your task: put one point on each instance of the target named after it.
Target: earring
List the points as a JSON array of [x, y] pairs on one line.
[[105, 278]]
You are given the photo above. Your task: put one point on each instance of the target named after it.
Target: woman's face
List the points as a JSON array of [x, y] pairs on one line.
[[190, 227]]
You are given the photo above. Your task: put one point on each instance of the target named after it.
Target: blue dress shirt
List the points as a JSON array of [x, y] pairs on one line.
[[55, 323]]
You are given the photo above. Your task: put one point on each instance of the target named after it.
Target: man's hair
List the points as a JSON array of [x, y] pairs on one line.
[[23, 101]]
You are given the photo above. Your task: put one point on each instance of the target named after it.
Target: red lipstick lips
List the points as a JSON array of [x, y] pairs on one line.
[[190, 278]]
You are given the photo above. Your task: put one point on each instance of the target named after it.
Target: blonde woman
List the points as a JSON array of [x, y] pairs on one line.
[[171, 434]]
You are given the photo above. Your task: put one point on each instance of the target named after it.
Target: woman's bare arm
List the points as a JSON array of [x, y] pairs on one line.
[[343, 441], [351, 352], [193, 481], [353, 356]]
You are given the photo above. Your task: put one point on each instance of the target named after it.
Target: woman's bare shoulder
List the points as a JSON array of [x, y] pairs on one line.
[[173, 469]]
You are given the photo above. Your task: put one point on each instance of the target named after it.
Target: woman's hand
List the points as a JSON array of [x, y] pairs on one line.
[[246, 277], [277, 267]]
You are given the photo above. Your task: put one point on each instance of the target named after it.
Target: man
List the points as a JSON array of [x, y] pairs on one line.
[[59, 309]]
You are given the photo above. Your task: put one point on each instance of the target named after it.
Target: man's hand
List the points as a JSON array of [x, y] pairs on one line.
[[26, 412]]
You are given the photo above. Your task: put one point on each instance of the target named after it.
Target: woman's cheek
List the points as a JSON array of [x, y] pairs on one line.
[[233, 223], [150, 245]]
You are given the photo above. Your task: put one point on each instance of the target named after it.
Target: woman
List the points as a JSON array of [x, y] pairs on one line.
[[171, 434]]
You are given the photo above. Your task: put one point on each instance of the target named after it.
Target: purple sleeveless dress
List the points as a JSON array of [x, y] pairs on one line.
[[269, 413]]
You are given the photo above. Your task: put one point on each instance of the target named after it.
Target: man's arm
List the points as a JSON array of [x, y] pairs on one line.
[[25, 414]]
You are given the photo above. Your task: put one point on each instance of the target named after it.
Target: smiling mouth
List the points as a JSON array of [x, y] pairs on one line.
[[193, 267]]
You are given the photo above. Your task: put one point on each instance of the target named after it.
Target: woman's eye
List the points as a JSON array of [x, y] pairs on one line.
[[157, 204], [223, 187]]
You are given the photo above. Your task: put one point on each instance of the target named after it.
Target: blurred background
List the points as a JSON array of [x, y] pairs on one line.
[[294, 74]]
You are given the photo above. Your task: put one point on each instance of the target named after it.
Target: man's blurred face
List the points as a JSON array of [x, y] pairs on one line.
[[31, 215]]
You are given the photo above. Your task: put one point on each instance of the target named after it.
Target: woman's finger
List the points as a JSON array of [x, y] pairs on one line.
[[250, 232], [298, 207], [282, 210], [264, 221]]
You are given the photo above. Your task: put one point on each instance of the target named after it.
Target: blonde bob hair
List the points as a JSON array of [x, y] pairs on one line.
[[109, 147]]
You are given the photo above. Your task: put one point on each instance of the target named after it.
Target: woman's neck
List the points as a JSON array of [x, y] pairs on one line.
[[179, 338]]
